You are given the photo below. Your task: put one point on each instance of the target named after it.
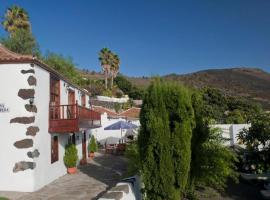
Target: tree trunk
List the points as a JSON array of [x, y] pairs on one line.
[[112, 82], [106, 79]]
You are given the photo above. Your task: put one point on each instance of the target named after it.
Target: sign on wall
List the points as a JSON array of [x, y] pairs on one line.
[[3, 108]]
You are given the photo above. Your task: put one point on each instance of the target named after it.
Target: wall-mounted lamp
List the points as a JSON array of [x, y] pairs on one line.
[[31, 100]]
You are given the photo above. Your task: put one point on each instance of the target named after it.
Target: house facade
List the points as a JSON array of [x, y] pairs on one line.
[[40, 113]]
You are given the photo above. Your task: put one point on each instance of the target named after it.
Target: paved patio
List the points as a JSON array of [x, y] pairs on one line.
[[90, 182]]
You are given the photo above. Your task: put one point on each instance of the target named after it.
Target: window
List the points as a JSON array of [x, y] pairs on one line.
[[54, 149]]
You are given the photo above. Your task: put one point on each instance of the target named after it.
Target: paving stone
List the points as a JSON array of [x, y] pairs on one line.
[[91, 181]]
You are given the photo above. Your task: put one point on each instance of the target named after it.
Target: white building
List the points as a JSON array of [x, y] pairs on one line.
[[40, 112], [109, 117]]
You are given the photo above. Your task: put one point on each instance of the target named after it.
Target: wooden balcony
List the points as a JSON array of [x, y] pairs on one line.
[[72, 118]]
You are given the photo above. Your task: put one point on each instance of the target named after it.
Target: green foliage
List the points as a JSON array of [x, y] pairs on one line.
[[107, 93], [92, 146], [221, 108], [256, 139], [65, 66], [217, 162], [71, 156], [22, 42], [235, 117], [16, 18], [132, 155], [127, 87], [117, 107], [212, 162], [164, 140]]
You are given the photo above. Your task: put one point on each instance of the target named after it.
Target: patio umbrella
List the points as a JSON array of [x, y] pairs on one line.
[[120, 125]]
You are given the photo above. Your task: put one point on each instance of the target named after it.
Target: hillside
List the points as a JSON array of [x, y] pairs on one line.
[[252, 83]]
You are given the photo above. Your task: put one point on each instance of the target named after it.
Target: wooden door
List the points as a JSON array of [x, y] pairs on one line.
[[71, 102], [54, 98], [84, 145], [83, 99], [54, 149]]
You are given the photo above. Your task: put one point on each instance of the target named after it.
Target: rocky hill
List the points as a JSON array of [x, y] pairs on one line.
[[252, 83]]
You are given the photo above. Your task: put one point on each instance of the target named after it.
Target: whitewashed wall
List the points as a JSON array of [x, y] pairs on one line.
[[101, 135], [231, 131], [11, 80]]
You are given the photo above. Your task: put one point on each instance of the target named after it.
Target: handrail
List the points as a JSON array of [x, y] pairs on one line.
[[72, 111]]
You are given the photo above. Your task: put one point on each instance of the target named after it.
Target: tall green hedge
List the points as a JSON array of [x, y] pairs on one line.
[[164, 140]]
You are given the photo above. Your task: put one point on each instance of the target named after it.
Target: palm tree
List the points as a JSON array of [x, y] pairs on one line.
[[114, 67], [16, 18], [105, 58]]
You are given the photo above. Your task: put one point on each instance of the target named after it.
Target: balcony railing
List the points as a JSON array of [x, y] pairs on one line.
[[72, 118]]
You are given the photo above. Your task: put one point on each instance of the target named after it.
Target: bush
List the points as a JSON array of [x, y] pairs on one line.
[[212, 163], [71, 156], [256, 139], [92, 146]]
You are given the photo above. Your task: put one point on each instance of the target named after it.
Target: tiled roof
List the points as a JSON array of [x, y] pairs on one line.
[[102, 110], [132, 113], [9, 56]]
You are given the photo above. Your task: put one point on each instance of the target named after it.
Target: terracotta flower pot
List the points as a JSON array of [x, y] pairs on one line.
[[72, 170]]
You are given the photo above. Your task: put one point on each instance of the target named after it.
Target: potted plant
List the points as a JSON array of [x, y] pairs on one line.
[[92, 147], [70, 158]]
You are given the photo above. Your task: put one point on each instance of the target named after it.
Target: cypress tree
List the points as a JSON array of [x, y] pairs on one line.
[[154, 147], [165, 139], [181, 117]]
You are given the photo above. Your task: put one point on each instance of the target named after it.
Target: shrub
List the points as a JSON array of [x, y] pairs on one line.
[[92, 146], [71, 156], [256, 139]]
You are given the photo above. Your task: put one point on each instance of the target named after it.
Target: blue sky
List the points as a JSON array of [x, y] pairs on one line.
[[154, 36]]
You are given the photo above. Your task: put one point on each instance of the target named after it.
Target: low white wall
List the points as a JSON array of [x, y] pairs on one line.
[[231, 131], [112, 99]]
